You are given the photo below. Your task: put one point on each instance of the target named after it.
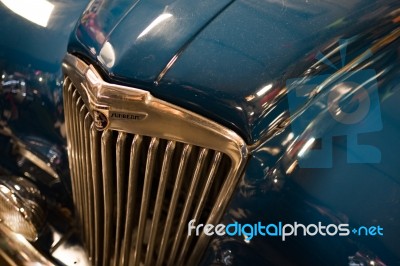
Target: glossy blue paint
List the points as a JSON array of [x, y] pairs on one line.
[[135, 41], [275, 187], [357, 194], [220, 62]]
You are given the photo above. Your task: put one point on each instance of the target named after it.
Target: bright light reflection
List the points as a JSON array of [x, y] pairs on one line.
[[264, 90], [20, 237], [107, 54], [4, 189], [71, 255], [288, 138], [36, 11], [306, 147], [153, 24]]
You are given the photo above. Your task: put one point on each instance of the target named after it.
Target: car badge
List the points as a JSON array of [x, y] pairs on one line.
[[100, 120]]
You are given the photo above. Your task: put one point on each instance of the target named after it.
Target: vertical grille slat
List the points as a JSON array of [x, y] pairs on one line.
[[75, 151], [91, 205], [121, 174], [107, 150], [188, 203], [148, 178], [174, 200], [134, 194], [165, 169], [134, 158], [83, 173], [200, 205], [73, 155], [97, 190], [67, 93]]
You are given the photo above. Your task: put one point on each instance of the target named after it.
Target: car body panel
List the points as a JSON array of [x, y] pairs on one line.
[[354, 194], [137, 39], [225, 59], [329, 188]]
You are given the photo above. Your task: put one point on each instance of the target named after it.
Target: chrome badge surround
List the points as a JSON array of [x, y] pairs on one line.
[[136, 111]]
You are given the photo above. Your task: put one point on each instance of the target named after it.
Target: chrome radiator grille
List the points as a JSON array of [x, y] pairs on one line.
[[135, 193]]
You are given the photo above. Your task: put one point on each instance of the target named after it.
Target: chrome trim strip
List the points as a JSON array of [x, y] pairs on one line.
[[148, 178], [136, 148], [75, 155], [106, 158], [82, 172], [174, 200], [16, 250], [120, 162], [188, 203], [97, 190], [169, 152], [200, 205], [89, 185]]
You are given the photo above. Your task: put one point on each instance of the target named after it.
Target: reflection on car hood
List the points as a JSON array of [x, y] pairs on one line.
[[137, 40], [227, 60]]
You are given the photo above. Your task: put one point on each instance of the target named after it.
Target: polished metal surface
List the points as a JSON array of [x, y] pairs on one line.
[[22, 206], [141, 169], [17, 251]]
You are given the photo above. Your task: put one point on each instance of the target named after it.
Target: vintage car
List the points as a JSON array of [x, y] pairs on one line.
[[247, 132]]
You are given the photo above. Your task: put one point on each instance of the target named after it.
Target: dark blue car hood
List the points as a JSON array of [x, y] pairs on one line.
[[227, 60]]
